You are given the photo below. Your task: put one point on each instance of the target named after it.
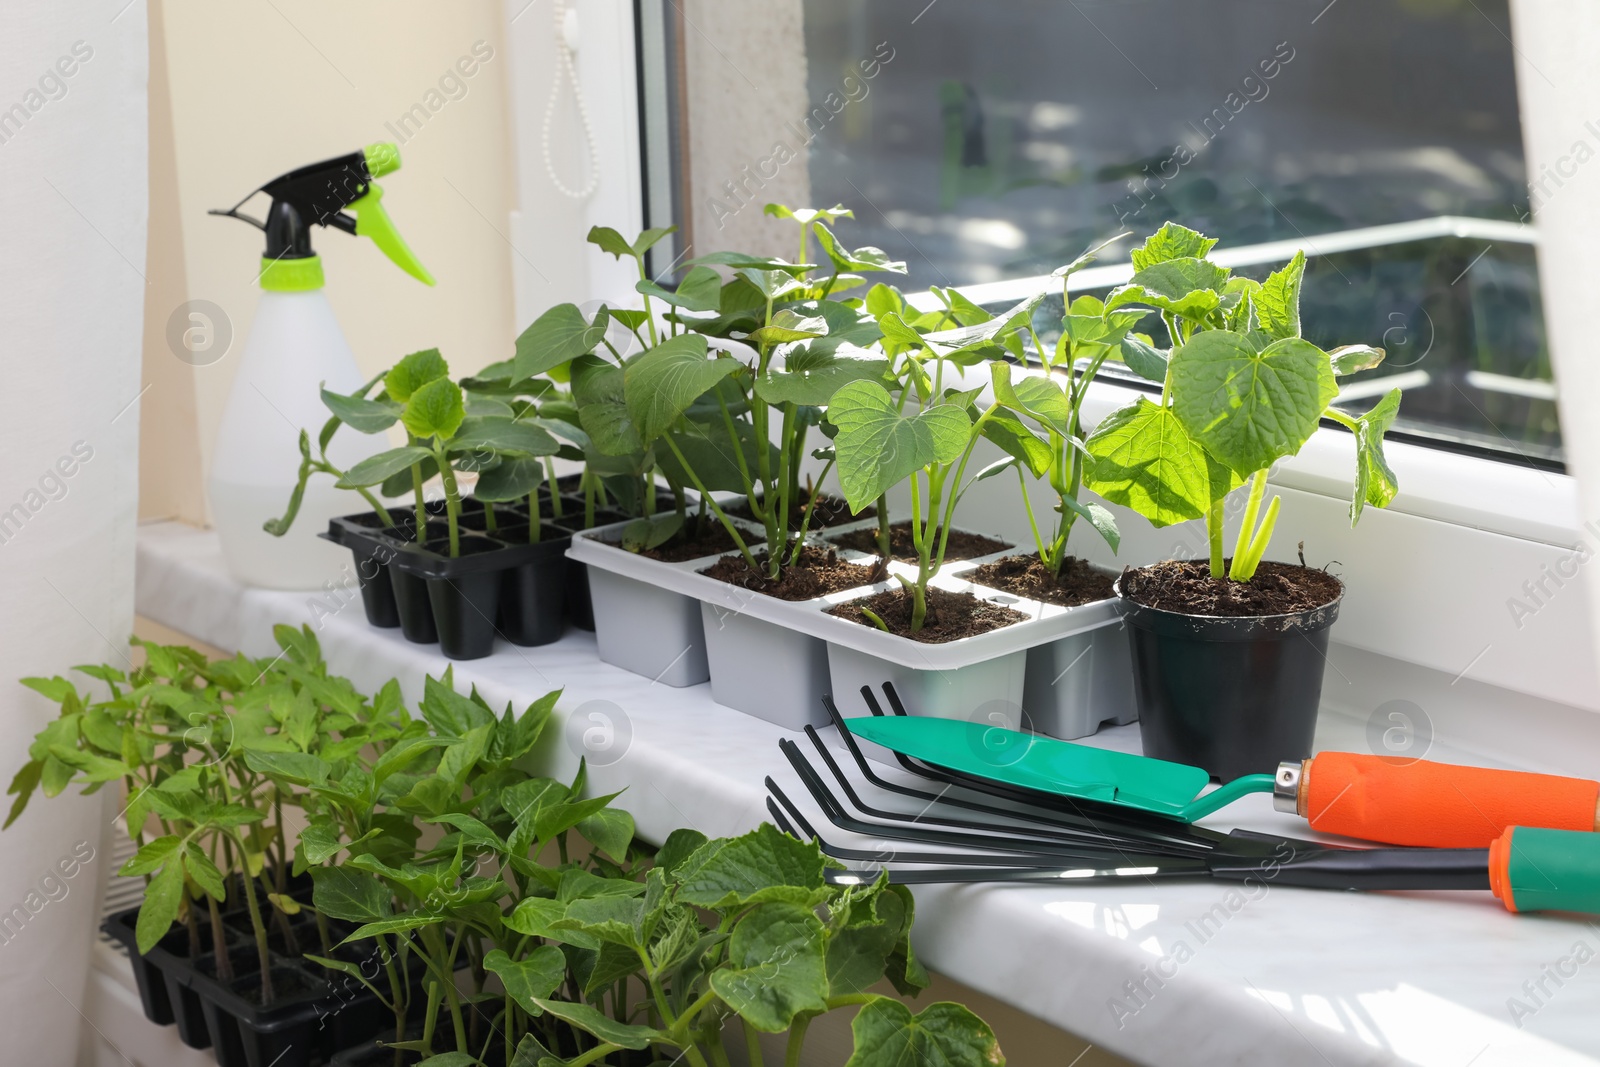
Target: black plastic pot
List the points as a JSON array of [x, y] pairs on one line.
[[533, 592], [463, 591], [1233, 695], [246, 1034], [371, 554], [148, 973]]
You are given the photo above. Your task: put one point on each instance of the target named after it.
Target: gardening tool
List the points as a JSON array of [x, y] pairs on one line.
[[1379, 798], [295, 348], [1022, 835]]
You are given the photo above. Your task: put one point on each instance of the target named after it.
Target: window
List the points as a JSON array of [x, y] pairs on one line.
[[1002, 139]]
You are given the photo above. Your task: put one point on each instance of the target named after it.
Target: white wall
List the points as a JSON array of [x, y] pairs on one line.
[[73, 182]]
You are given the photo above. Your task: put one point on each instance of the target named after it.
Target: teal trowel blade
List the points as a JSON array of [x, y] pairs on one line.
[[1052, 766]]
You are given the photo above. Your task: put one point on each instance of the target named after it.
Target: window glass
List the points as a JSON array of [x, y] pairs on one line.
[[997, 140]]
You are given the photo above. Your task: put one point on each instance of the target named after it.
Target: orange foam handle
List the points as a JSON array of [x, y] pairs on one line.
[[1415, 802]]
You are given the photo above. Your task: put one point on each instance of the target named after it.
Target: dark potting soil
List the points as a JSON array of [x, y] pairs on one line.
[[1078, 583], [1186, 586], [950, 616], [831, 511], [713, 539], [818, 573], [960, 546]]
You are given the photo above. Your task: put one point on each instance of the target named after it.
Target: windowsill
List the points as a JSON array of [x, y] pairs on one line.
[[1420, 978]]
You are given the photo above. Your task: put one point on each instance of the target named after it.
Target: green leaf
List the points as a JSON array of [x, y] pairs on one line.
[[502, 434], [679, 846], [90, 767], [302, 768], [777, 967], [204, 873], [1171, 242], [878, 447], [151, 856], [451, 1059], [375, 469], [1250, 408], [536, 917], [660, 384], [599, 391], [864, 258], [1348, 359], [447, 711], [888, 1035], [1188, 287], [1145, 460], [397, 925], [530, 978], [348, 894], [1375, 482], [763, 865], [812, 377], [610, 831], [1019, 442], [700, 290], [1037, 396], [558, 336], [159, 911], [757, 264], [435, 410], [413, 372], [1277, 302], [610, 241], [1144, 358], [601, 1025], [513, 478], [1104, 523], [359, 413], [790, 325]]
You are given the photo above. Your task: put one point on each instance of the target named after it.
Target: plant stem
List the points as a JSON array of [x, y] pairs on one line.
[[219, 942], [1027, 505], [535, 519], [727, 524], [885, 543], [555, 490], [420, 506], [797, 1039], [752, 1044], [1214, 536], [1247, 525], [452, 498], [260, 929]]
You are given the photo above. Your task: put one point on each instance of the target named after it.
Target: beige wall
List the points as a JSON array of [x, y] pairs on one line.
[[244, 92]]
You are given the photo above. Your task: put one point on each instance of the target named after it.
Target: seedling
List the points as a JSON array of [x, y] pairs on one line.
[[442, 438], [1241, 389], [878, 445], [1053, 447]]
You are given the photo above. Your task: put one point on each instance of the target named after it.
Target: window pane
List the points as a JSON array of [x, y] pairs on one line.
[[1002, 138]]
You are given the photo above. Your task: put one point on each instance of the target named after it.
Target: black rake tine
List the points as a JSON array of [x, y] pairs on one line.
[[779, 820], [1063, 835], [841, 818], [962, 875], [1096, 858]]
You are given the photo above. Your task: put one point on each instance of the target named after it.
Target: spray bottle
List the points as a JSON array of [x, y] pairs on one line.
[[295, 346]]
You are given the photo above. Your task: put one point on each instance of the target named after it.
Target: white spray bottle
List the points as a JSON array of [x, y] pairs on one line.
[[294, 347]]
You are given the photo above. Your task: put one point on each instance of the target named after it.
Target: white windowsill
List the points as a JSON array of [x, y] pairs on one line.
[[1416, 978]]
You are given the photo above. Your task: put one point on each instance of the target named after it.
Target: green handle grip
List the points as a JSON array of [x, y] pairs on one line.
[[1532, 869]]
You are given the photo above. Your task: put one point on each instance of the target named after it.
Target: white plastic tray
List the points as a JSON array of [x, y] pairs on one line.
[[1045, 622]]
